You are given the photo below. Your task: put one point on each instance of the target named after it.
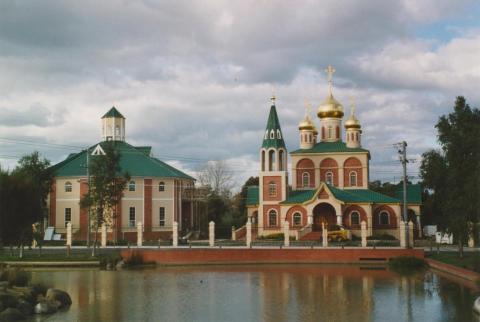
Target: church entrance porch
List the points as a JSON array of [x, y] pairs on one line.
[[323, 213]]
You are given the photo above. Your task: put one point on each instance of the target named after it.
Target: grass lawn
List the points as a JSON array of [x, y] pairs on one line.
[[470, 260]]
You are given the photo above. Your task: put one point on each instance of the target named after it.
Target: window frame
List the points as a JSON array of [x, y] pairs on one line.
[[305, 175], [272, 189], [297, 216], [350, 176], [380, 217], [355, 212], [131, 184], [328, 174], [271, 213], [69, 214], [68, 187], [132, 222], [161, 213], [161, 186]]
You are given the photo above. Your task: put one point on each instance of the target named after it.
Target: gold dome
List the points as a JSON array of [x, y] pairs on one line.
[[330, 108], [352, 122], [306, 124]]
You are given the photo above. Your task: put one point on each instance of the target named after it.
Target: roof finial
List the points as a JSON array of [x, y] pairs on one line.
[[330, 70], [308, 108], [273, 98], [352, 105]]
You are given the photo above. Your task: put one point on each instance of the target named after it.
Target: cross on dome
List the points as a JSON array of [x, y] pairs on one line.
[[352, 105], [330, 70]]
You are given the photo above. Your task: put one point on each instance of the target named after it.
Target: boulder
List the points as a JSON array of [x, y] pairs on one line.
[[54, 295], [11, 314], [25, 307], [8, 300], [45, 307]]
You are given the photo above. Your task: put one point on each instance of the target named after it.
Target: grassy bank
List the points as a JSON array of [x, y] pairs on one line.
[[470, 260]]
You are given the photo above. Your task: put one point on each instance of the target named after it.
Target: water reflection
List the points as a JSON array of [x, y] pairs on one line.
[[259, 293]]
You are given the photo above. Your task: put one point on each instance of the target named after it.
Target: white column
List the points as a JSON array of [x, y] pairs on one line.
[[234, 236], [69, 234], [286, 233], [310, 219], [403, 238], [249, 234], [410, 234], [339, 220], [419, 223], [139, 234], [211, 234], [175, 234], [104, 235], [363, 226], [324, 235], [369, 226]]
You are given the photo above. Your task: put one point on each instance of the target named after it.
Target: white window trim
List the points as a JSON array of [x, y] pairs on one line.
[[380, 217], [359, 217], [65, 216], [327, 175], [303, 180], [293, 219], [68, 184], [130, 218], [276, 217], [130, 184], [350, 178], [270, 185]]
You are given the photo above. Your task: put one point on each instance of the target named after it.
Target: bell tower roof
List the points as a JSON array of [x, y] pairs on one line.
[[273, 137], [113, 112]]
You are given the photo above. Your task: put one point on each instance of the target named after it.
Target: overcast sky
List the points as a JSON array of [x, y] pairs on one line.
[[193, 78]]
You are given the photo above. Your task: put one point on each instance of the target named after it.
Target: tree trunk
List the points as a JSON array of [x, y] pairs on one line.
[[460, 247], [95, 241]]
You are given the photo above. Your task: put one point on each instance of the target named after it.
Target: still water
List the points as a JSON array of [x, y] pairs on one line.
[[259, 293]]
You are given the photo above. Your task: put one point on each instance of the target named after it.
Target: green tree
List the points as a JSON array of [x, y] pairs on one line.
[[453, 173], [106, 187], [239, 203], [385, 188]]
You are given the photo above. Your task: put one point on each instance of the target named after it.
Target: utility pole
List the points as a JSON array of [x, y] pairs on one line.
[[88, 209], [403, 159]]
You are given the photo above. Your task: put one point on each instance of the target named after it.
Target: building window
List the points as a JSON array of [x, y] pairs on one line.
[[354, 218], [306, 179], [297, 219], [161, 216], [68, 216], [117, 130], [272, 189], [131, 217], [384, 218], [353, 178], [131, 186], [330, 132], [279, 135], [68, 186], [280, 160], [329, 178], [161, 186], [272, 134], [266, 135], [272, 218]]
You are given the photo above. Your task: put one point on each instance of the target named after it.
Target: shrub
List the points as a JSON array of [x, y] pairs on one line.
[[277, 236], [381, 237]]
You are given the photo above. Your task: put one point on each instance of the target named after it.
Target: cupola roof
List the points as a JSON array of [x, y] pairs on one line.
[[352, 121], [273, 137], [330, 107], [113, 112]]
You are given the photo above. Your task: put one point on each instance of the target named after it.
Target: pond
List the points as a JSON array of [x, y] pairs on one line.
[[273, 293]]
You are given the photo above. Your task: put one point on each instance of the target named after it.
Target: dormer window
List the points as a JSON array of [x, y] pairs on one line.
[[272, 134], [279, 135]]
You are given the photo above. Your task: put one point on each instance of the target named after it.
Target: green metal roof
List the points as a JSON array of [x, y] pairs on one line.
[[145, 149], [414, 193], [299, 196], [252, 195], [329, 147], [132, 160], [113, 112], [273, 126], [361, 195]]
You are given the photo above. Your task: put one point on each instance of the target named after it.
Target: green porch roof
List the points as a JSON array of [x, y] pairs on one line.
[[329, 147], [113, 112], [414, 193], [252, 195], [361, 195], [299, 196], [273, 126], [133, 160]]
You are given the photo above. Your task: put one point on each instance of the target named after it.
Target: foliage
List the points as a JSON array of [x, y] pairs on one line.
[[385, 188], [105, 187], [381, 237], [407, 265], [277, 236], [239, 202], [453, 173], [471, 260], [218, 176]]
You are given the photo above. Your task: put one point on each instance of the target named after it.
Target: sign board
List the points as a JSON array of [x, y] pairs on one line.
[[49, 233]]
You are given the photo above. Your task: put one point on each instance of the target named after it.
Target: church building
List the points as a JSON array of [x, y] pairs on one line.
[[329, 179], [156, 195]]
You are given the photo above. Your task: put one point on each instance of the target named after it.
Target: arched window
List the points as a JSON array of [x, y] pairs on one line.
[[323, 133], [272, 218], [384, 218], [337, 132], [271, 160], [263, 160], [297, 219], [131, 186], [353, 178], [279, 135], [280, 160], [68, 186], [330, 132], [117, 130], [354, 218], [306, 179], [272, 134], [272, 189], [329, 177], [161, 186], [356, 136], [266, 135]]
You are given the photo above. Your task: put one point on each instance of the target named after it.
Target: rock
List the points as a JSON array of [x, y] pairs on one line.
[[25, 307], [45, 307], [8, 300], [11, 314], [120, 264], [58, 295]]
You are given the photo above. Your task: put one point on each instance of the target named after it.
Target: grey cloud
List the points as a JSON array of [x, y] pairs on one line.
[[36, 114]]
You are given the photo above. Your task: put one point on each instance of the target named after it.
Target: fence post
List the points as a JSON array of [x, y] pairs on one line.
[[104, 235], [410, 234], [234, 235], [69, 234], [248, 237], [211, 234], [324, 235], [403, 238], [175, 234], [139, 234], [364, 233], [286, 233]]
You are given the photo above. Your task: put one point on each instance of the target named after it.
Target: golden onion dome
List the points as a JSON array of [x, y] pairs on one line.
[[352, 122], [306, 124], [330, 108]]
